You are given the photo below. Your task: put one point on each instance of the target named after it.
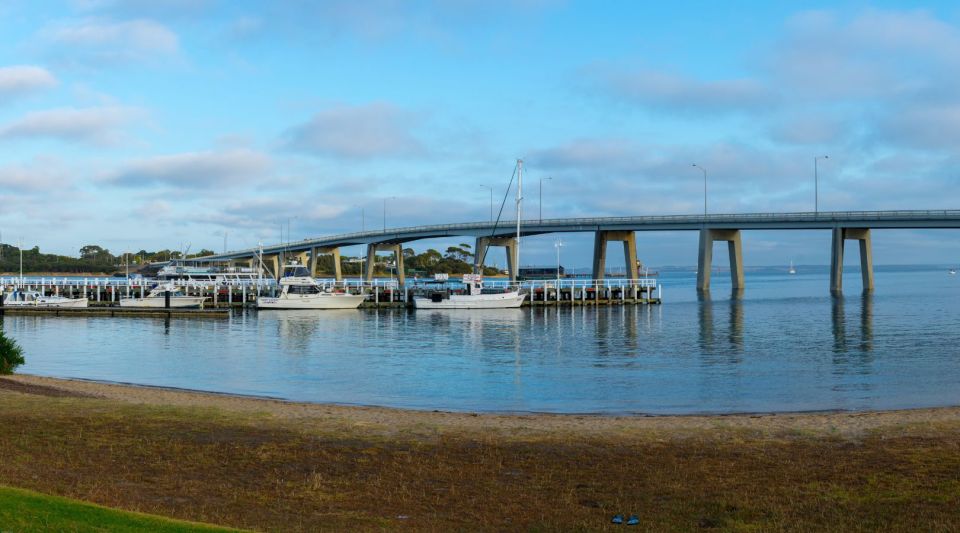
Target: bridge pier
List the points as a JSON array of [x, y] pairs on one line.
[[272, 264], [332, 250], [734, 248], [600, 241], [840, 236], [373, 248], [480, 252]]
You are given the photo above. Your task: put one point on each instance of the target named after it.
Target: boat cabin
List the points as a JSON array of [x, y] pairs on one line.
[[296, 271]]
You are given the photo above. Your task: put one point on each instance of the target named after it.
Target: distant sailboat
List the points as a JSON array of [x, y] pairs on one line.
[[792, 270]]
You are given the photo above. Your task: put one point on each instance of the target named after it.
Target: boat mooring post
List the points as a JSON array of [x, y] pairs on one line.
[[166, 299]]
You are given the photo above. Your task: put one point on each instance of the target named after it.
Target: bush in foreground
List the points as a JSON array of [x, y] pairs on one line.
[[11, 355]]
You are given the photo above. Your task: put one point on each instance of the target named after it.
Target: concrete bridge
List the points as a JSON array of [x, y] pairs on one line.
[[844, 226]]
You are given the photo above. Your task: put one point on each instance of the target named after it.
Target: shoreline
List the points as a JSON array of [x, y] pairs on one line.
[[378, 418]]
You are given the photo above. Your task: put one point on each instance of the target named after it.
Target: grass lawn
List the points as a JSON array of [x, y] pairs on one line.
[[24, 511], [335, 473]]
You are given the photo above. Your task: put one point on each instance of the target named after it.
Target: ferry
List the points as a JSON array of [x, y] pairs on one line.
[[194, 271]]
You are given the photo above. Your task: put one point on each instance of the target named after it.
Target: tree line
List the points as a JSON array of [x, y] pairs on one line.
[[96, 259]]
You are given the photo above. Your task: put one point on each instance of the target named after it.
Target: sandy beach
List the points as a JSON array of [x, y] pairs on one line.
[[388, 421]]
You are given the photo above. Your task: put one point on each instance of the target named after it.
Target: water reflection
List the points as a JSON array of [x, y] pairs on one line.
[[781, 345], [734, 330], [838, 316], [853, 359]]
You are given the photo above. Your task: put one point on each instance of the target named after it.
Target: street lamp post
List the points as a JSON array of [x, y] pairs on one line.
[[541, 197], [704, 188], [491, 200], [558, 244], [816, 184], [363, 220], [385, 212]]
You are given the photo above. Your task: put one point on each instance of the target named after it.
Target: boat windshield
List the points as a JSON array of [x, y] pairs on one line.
[[296, 271]]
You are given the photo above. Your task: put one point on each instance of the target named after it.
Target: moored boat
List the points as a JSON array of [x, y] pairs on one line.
[[298, 290], [472, 296], [157, 298], [22, 298]]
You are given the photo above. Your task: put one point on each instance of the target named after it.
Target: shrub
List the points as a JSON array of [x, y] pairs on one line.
[[11, 355]]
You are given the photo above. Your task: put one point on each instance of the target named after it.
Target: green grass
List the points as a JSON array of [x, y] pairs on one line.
[[24, 511]]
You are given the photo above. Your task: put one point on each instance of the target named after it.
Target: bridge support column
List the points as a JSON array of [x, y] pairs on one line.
[[315, 257], [600, 241], [735, 250], [397, 250], [484, 243], [272, 264], [840, 236]]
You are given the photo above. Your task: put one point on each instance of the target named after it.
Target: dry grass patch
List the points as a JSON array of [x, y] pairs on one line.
[[254, 471]]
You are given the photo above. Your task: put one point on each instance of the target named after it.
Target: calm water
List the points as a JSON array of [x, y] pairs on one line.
[[784, 345]]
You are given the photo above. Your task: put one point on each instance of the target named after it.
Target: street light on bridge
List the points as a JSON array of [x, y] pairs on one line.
[[491, 200], [704, 188], [816, 184], [541, 197], [385, 211], [363, 222]]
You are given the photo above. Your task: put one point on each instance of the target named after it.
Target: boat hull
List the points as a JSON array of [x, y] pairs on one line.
[[68, 303], [507, 300], [319, 301], [175, 301]]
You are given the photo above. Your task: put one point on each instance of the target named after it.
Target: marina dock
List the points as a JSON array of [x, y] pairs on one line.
[[104, 294]]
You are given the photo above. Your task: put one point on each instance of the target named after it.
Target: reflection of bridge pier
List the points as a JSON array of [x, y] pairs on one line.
[[838, 320], [734, 323]]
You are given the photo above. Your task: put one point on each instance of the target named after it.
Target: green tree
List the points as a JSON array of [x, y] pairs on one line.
[[11, 355]]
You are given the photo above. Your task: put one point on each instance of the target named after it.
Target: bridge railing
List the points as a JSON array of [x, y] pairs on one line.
[[508, 225]]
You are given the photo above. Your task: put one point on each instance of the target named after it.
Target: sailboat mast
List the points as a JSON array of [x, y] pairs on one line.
[[21, 262], [519, 199]]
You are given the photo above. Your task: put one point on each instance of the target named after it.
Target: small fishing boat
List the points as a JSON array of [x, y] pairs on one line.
[[22, 298], [298, 290], [157, 298], [953, 271], [473, 296]]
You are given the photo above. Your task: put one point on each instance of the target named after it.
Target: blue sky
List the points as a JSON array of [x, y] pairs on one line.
[[156, 124]]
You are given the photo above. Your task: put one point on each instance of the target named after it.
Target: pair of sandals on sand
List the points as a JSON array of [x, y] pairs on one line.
[[632, 521]]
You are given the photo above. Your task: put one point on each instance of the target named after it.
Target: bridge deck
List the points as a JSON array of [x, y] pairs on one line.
[[505, 228]]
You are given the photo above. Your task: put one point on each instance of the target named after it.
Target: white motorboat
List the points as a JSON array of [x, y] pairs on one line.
[[21, 298], [298, 290], [953, 271], [157, 298], [473, 296]]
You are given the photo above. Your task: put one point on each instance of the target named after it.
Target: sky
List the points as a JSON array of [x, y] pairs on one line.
[[150, 124]]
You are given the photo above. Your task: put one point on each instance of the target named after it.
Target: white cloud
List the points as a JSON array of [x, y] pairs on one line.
[[193, 170], [660, 90], [93, 125], [93, 41], [19, 80], [42, 173], [357, 132]]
